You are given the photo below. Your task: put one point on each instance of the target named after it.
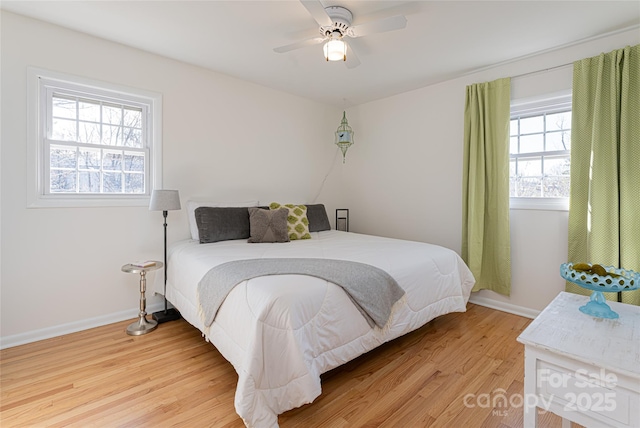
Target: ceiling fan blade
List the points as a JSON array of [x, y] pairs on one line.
[[380, 26], [352, 59], [298, 45], [316, 9]]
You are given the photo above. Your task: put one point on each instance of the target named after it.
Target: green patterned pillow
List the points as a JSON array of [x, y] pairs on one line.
[[297, 222]]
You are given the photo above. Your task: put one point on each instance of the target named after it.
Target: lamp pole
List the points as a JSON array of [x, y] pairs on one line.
[[164, 214], [165, 201]]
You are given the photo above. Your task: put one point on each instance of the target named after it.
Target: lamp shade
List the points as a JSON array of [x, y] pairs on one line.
[[335, 49], [164, 200]]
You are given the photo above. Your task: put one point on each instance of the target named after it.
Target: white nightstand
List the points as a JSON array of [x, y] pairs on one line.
[[582, 368], [142, 326]]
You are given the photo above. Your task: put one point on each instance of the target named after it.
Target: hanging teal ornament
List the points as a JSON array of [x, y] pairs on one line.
[[344, 136]]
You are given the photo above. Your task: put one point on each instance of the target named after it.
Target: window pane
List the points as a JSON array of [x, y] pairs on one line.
[[557, 187], [513, 145], [532, 143], [89, 158], [557, 166], [89, 111], [132, 137], [512, 168], [134, 183], [62, 157], [112, 182], [62, 181], [559, 140], [63, 107], [112, 114], [530, 187], [512, 186], [64, 130], [134, 162], [513, 127], [89, 182], [133, 118], [559, 121], [529, 125], [111, 135], [112, 161], [530, 167], [89, 132]]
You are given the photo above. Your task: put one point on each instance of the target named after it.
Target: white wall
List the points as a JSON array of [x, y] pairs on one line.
[[405, 173], [224, 139]]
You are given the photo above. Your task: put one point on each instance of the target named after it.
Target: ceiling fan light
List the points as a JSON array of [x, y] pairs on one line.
[[335, 50]]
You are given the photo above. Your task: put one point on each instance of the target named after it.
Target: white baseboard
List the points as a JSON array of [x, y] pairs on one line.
[[504, 306], [73, 327]]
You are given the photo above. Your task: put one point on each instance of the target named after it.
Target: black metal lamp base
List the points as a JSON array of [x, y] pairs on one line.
[[170, 314]]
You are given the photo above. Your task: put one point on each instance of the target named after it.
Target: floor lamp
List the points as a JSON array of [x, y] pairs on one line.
[[165, 200]]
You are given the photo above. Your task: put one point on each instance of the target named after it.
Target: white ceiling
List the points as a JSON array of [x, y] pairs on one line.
[[442, 39]]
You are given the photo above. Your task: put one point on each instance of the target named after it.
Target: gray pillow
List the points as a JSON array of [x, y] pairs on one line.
[[268, 225], [317, 216], [222, 223]]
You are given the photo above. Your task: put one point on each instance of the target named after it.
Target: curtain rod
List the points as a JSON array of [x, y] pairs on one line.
[[542, 71]]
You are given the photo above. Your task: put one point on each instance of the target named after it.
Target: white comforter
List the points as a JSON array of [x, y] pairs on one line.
[[282, 332]]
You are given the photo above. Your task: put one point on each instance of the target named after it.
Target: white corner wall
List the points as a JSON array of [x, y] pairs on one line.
[[405, 171], [223, 139]]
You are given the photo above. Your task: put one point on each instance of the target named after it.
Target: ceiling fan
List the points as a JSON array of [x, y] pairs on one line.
[[335, 25]]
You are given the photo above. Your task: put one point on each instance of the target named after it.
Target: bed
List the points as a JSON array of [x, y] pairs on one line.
[[281, 332]]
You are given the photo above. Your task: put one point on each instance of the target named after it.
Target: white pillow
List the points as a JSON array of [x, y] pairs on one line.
[[191, 212]]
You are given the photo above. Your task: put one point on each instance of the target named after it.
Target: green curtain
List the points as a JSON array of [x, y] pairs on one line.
[[486, 246], [604, 213]]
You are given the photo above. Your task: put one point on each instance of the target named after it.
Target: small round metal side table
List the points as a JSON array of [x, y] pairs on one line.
[[142, 326]]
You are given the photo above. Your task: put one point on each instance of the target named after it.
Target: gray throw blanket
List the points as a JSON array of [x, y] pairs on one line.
[[371, 289]]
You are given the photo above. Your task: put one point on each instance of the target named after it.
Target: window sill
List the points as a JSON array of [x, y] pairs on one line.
[[544, 204], [88, 201]]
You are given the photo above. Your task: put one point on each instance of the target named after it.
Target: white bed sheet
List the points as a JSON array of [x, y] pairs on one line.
[[280, 349]]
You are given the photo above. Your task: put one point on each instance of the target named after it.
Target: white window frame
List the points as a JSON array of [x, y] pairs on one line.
[[550, 103], [40, 83]]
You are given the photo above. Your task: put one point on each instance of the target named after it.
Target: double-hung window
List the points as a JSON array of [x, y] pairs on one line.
[[540, 153], [94, 145]]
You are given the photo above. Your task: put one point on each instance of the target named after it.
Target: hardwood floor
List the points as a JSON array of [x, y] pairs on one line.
[[172, 377]]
